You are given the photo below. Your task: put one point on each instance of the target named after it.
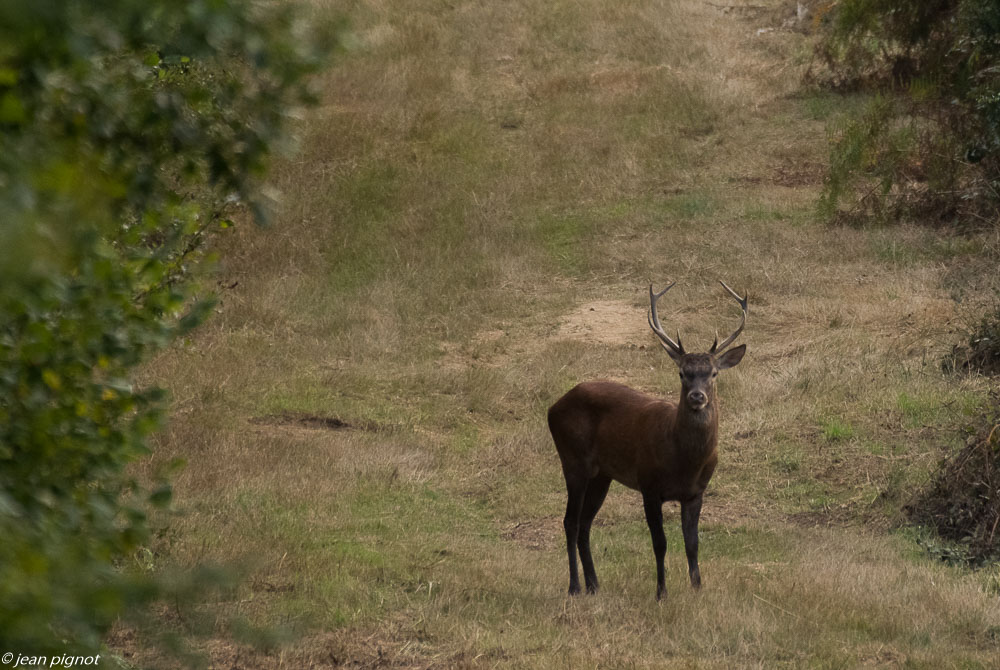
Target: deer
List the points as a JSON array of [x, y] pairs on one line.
[[666, 450]]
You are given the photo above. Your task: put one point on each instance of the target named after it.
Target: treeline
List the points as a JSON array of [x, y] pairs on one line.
[[130, 131]]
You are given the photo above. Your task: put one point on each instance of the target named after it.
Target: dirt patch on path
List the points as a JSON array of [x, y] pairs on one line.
[[537, 534], [610, 322]]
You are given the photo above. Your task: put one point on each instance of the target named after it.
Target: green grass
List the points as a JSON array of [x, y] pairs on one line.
[[566, 239], [469, 231], [691, 206], [787, 462], [835, 429], [828, 106]]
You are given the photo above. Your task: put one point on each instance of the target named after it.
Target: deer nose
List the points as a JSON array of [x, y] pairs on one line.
[[697, 398]]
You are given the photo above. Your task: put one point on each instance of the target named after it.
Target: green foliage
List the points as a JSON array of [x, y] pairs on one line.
[[981, 351], [836, 429], [870, 149], [962, 502], [929, 144], [127, 135]]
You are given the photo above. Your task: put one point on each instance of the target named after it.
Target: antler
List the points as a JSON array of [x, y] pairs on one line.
[[673, 348], [743, 320]]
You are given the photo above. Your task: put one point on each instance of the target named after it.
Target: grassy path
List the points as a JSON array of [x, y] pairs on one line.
[[467, 233]]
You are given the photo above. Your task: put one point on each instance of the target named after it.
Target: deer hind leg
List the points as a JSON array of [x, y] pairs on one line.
[[597, 490], [576, 489], [690, 511]]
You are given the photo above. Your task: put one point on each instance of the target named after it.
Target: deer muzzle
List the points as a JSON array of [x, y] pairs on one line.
[[697, 400]]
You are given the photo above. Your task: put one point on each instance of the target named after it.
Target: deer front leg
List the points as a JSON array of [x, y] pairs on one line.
[[653, 507], [690, 511]]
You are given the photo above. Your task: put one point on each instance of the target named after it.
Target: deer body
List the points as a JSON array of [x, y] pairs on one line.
[[672, 453], [604, 432]]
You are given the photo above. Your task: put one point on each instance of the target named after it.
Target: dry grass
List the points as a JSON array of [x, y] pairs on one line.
[[467, 232]]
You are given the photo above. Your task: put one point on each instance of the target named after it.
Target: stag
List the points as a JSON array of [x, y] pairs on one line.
[[666, 450]]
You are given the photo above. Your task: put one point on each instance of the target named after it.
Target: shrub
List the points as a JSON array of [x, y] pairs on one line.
[[962, 502], [128, 130], [981, 352], [929, 145]]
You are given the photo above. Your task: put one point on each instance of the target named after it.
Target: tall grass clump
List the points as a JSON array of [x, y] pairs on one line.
[[980, 353]]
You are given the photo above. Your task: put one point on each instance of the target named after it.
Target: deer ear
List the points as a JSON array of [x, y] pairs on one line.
[[732, 357]]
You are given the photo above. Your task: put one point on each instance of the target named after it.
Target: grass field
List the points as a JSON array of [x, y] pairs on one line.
[[467, 231]]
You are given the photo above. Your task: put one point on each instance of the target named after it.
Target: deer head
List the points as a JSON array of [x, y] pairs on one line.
[[698, 371]]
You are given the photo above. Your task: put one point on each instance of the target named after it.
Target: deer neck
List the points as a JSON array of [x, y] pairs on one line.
[[697, 430]]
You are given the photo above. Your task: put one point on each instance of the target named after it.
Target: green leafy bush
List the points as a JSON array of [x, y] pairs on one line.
[[129, 130], [962, 502], [929, 145]]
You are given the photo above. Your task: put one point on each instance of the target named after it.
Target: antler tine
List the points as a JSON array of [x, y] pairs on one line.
[[743, 320], [654, 323]]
